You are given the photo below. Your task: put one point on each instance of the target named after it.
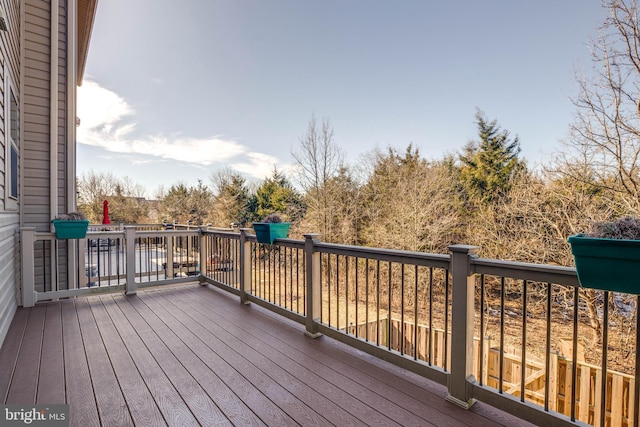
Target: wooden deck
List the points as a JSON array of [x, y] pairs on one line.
[[193, 355]]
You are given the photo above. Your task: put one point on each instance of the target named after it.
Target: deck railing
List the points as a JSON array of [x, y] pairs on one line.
[[111, 259], [522, 337]]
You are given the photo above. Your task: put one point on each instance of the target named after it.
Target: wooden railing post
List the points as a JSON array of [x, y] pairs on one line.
[[462, 319], [72, 263], [203, 254], [168, 274], [314, 294], [82, 267], [130, 241], [27, 240], [245, 266]]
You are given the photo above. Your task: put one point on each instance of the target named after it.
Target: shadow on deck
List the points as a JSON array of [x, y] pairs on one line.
[[192, 355]]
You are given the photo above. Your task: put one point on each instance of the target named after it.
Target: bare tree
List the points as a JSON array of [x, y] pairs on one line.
[[125, 197], [343, 215], [603, 156], [532, 222], [319, 161], [605, 136]]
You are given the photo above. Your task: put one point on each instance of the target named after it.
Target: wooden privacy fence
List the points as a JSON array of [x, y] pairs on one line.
[[433, 347]]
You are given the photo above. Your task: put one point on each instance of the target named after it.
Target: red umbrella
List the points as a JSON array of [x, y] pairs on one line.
[[105, 213]]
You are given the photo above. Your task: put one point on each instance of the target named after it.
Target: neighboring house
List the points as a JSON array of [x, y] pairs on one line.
[[42, 56]]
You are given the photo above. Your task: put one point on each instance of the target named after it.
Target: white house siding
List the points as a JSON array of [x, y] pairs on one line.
[[9, 219]]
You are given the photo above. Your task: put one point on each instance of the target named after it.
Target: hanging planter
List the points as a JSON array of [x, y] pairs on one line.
[[70, 226], [610, 264], [271, 228]]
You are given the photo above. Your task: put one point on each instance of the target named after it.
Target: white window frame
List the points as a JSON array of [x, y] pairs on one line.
[[12, 172]]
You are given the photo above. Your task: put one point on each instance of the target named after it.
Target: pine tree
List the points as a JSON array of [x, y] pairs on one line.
[[409, 203], [231, 199], [489, 165], [188, 204], [276, 195]]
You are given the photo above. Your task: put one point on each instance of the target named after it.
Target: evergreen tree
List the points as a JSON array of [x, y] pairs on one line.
[[276, 195], [174, 204], [184, 204], [489, 165], [408, 203], [200, 204], [231, 199]]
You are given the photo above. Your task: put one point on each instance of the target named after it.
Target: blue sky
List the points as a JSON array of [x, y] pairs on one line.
[[176, 90]]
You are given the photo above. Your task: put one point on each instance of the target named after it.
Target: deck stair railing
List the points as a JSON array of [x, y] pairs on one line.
[[505, 333]]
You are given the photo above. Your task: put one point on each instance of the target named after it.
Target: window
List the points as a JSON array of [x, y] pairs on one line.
[[13, 167], [12, 141]]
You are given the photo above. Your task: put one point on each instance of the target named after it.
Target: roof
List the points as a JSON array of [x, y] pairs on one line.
[[86, 16]]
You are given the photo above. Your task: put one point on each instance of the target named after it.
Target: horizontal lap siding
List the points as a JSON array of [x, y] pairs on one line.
[[35, 125], [36, 116], [9, 220], [37, 159], [37, 211], [9, 270]]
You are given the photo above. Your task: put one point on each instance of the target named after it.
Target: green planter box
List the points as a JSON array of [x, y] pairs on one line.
[[70, 229], [268, 232], [607, 264]]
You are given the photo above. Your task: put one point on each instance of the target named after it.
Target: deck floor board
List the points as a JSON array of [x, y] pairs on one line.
[[402, 401], [139, 370], [300, 366], [274, 364], [79, 388], [213, 351], [111, 403], [10, 350], [24, 383], [193, 355], [228, 387], [166, 375], [51, 381]]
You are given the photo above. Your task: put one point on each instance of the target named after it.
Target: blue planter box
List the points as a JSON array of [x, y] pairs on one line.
[[70, 229], [607, 264], [268, 232]]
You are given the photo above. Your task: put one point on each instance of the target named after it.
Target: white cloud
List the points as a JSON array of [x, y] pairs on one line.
[[124, 130], [101, 113], [107, 121], [258, 165], [141, 162]]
